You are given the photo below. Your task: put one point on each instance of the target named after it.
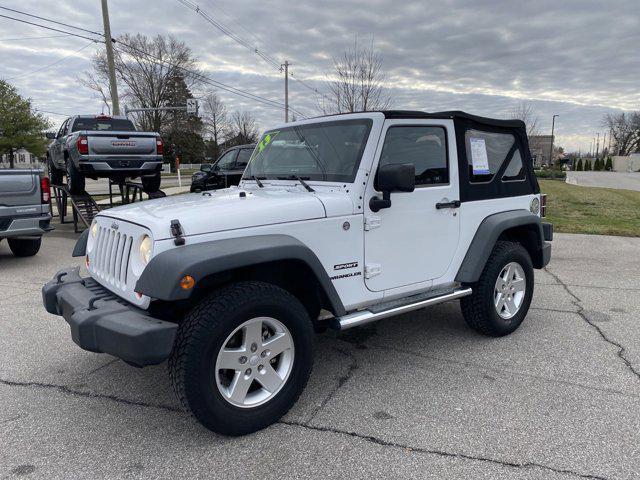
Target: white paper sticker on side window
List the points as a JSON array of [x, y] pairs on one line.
[[479, 160]]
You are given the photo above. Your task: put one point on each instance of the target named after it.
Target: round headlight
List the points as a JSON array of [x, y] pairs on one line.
[[94, 229], [535, 206], [146, 247]]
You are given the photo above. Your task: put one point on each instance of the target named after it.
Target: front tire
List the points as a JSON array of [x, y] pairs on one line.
[[24, 247], [75, 179], [502, 296], [242, 357], [55, 174]]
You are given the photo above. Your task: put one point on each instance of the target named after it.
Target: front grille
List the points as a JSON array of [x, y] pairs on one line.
[[111, 257]]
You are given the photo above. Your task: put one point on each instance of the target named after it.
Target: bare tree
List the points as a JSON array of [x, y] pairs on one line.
[[625, 130], [357, 84], [244, 128], [147, 67], [216, 120], [524, 111]]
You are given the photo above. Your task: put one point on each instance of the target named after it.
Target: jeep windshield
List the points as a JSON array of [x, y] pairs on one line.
[[327, 151]]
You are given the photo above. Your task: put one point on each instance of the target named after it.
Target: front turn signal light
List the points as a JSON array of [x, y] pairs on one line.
[[187, 282]]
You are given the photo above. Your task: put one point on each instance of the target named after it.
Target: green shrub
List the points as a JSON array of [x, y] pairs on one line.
[[551, 174], [609, 166], [579, 165]]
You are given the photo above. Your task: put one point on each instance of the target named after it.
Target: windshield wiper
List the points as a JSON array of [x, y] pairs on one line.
[[300, 179], [257, 181]]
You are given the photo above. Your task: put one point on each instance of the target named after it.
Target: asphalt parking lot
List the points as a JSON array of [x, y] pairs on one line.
[[417, 396]]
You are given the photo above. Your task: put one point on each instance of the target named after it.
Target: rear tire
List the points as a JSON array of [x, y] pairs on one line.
[[151, 183], [24, 247], [75, 179], [502, 296], [221, 325]]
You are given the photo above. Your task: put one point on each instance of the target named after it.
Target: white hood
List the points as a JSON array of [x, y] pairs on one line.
[[226, 210]]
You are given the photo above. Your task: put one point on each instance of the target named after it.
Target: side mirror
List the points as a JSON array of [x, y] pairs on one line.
[[50, 135], [393, 178]]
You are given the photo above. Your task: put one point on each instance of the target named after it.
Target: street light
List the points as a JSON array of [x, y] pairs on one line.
[[553, 124]]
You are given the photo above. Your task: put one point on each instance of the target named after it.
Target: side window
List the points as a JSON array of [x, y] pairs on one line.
[[487, 152], [243, 158], [425, 147], [226, 161], [63, 127]]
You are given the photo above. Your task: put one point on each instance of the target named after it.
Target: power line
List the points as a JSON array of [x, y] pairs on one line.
[[210, 81], [52, 113], [30, 38], [49, 20], [228, 32], [47, 27], [203, 78], [52, 64]]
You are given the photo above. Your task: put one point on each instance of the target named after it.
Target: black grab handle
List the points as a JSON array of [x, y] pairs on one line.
[[454, 204]]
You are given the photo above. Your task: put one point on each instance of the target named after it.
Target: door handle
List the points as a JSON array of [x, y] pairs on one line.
[[453, 204]]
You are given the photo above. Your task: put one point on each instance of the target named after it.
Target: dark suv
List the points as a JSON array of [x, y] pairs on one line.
[[225, 171]]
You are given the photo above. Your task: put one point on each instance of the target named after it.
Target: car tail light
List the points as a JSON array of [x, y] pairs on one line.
[[543, 205], [83, 145], [159, 146], [45, 189]]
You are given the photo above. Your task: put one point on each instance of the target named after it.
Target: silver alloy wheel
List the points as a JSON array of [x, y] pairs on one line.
[[510, 290], [255, 362]]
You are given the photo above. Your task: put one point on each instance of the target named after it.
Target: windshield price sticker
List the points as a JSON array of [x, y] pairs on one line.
[[479, 160], [266, 140]]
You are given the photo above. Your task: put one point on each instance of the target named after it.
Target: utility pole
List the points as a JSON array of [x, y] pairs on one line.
[[553, 124], [113, 87], [286, 91]]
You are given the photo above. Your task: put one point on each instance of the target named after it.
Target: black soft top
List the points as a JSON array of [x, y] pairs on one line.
[[454, 115]]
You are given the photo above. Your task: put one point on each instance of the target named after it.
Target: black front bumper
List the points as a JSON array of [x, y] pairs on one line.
[[102, 322]]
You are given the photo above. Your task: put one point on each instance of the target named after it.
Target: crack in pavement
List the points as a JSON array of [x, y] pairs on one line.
[[78, 393], [581, 311], [110, 362], [341, 381], [513, 373], [587, 286], [440, 453]]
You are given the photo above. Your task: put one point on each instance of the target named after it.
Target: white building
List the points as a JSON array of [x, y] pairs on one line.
[[629, 163], [21, 159]]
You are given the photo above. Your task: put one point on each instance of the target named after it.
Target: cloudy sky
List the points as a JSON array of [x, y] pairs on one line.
[[576, 58]]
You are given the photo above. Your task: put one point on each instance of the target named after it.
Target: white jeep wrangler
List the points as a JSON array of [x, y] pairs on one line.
[[338, 221]]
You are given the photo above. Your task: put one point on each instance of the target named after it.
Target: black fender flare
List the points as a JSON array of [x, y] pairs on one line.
[[80, 249], [161, 278], [486, 237]]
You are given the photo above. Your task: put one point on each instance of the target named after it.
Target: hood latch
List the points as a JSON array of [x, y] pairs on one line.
[[176, 231]]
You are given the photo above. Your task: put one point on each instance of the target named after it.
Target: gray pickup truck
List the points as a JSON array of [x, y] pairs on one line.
[[104, 146], [25, 212]]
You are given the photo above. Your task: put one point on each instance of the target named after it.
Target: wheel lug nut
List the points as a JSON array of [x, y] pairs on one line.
[[243, 360], [260, 367], [265, 353], [247, 372], [254, 347]]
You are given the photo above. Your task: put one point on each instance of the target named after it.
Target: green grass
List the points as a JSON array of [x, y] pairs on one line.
[[601, 211]]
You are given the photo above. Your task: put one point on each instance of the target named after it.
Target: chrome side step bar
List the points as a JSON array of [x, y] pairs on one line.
[[362, 317]]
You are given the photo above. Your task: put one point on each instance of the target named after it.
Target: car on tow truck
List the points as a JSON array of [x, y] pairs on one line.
[[103, 146], [338, 221]]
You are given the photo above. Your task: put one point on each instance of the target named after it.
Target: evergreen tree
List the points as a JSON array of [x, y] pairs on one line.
[[579, 165], [22, 127], [587, 165], [609, 166]]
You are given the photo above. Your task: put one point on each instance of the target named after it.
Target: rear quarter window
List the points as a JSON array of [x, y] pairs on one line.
[[489, 153]]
